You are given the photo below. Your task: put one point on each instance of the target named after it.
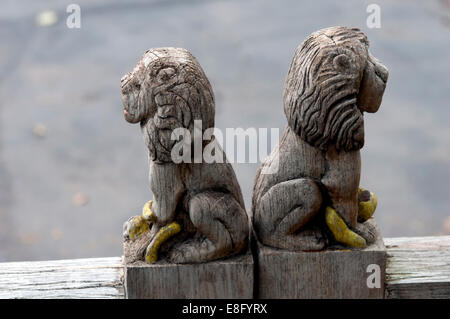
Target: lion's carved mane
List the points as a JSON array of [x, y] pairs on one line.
[[191, 91], [321, 89]]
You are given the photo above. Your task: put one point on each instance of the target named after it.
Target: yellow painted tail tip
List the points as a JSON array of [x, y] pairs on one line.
[[374, 200], [147, 205], [147, 213], [366, 209], [354, 240], [176, 228], [151, 257]]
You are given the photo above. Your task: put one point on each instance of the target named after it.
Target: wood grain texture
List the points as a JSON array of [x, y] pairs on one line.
[[228, 278], [333, 273], [99, 278], [332, 80], [418, 267], [167, 91]]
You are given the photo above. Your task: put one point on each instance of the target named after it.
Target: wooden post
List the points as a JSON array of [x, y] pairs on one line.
[[228, 278], [333, 273]]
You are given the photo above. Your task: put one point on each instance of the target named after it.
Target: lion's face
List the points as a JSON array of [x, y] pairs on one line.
[[372, 85], [136, 106], [145, 94], [332, 80], [169, 86], [167, 90]]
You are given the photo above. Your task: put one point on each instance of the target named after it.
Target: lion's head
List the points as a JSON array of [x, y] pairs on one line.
[[166, 90], [332, 80]]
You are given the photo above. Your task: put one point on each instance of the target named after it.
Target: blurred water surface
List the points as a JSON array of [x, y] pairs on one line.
[[72, 170]]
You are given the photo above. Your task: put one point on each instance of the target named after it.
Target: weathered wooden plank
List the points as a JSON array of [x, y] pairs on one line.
[[418, 267], [73, 278]]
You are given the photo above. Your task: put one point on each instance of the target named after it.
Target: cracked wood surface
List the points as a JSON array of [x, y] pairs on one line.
[[98, 278], [417, 267]]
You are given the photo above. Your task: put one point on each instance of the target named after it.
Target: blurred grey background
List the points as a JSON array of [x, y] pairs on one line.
[[72, 170]]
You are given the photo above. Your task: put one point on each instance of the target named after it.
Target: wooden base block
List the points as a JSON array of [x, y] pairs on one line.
[[229, 278], [325, 274]]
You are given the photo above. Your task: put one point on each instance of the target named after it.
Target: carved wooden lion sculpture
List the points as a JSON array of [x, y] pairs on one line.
[[313, 198], [198, 212]]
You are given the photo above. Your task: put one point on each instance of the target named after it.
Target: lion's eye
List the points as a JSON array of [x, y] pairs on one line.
[[165, 74]]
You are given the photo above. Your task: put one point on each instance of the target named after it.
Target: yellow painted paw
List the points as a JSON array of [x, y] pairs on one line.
[[340, 230], [147, 213], [166, 232], [135, 227], [367, 203]]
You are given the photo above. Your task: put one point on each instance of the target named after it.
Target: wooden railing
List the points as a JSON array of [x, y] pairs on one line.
[[417, 267]]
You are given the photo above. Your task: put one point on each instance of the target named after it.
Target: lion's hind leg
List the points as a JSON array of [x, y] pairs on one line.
[[283, 212], [222, 229]]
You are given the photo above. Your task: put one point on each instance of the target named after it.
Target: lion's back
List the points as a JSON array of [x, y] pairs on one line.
[[214, 177]]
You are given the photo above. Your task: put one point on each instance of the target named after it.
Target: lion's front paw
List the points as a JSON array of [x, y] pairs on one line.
[[367, 231], [147, 212], [367, 203], [134, 227]]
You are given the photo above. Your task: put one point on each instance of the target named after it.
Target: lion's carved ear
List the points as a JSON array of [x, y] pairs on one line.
[[342, 63]]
